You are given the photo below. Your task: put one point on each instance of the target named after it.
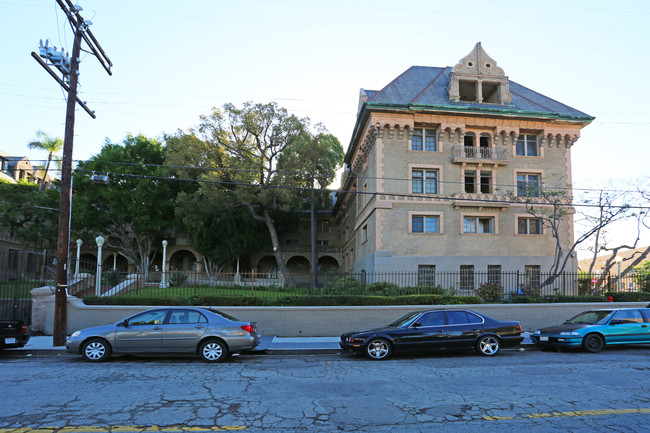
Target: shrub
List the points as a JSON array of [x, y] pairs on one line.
[[629, 296], [490, 292], [345, 286], [112, 277], [177, 278]]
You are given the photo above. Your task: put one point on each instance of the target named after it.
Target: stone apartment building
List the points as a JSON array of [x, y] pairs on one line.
[[434, 162]]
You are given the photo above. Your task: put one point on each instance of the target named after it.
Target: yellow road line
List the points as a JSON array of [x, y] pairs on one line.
[[121, 429], [596, 412]]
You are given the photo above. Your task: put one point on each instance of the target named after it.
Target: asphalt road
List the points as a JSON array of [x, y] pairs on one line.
[[531, 391]]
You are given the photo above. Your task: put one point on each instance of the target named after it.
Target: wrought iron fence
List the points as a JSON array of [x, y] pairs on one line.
[[272, 285], [20, 272]]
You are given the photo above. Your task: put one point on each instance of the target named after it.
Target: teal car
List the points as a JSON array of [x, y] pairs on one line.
[[595, 329]]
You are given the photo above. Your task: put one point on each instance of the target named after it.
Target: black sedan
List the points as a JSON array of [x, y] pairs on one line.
[[13, 333], [435, 329]]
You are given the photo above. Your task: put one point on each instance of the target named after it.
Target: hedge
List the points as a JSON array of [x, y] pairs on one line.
[[354, 300]]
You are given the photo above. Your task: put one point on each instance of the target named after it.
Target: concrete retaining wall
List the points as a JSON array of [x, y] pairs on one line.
[[328, 321]]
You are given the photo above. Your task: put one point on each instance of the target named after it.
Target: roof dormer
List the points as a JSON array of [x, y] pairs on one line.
[[478, 79]]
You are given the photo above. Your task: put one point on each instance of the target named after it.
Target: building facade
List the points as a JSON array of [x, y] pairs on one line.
[[439, 166]]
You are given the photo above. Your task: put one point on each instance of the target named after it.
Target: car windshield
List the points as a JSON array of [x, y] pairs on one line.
[[405, 319], [598, 317]]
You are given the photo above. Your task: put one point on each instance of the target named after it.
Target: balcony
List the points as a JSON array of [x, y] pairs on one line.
[[474, 154]]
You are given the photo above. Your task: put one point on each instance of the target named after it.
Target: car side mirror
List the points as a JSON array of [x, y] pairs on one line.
[[124, 323], [416, 324]]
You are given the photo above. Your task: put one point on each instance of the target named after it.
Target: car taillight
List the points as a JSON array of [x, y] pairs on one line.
[[248, 328], [23, 330]]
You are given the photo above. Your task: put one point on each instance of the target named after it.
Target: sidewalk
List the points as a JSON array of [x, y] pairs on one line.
[[41, 345]]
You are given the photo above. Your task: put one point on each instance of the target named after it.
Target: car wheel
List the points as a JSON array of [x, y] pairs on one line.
[[96, 350], [378, 349], [593, 343], [488, 345], [213, 351]]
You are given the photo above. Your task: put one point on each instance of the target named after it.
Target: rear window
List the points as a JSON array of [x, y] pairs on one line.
[[224, 315]]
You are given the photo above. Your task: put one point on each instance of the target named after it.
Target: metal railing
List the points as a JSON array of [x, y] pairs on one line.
[[475, 152]]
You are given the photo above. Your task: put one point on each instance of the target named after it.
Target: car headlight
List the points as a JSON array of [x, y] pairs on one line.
[[569, 333], [75, 334], [357, 340]]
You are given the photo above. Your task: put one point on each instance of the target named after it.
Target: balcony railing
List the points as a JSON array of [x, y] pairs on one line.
[[465, 153]]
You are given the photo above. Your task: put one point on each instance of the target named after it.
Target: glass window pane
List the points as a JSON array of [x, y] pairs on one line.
[[432, 182], [432, 224], [522, 226], [521, 149], [531, 149], [436, 318], [469, 225], [430, 143], [417, 224], [457, 318], [416, 142]]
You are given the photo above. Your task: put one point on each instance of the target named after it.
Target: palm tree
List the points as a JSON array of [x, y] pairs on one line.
[[50, 145]]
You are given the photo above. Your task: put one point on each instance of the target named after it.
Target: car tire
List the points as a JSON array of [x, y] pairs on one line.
[[593, 343], [378, 349], [213, 351], [488, 345], [96, 350]]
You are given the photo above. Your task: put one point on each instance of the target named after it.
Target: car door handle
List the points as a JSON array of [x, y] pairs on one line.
[[644, 326], [198, 327], [156, 328]]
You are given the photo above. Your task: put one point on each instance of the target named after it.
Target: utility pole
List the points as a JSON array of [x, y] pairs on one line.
[[71, 72]]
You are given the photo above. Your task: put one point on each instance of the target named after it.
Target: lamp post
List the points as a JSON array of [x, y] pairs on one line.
[[163, 283], [98, 280], [76, 268], [618, 261]]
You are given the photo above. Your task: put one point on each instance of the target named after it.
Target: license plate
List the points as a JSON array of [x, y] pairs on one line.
[[543, 338], [10, 341]]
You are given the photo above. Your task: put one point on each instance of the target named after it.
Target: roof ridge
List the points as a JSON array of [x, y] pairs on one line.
[[430, 83], [388, 85]]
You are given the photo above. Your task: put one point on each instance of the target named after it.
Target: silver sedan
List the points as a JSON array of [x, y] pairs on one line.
[[211, 334]]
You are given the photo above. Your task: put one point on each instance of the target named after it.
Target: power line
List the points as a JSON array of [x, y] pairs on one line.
[[436, 197], [307, 174]]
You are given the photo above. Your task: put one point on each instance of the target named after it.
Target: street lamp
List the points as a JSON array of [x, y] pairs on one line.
[[163, 283], [98, 280], [618, 260], [76, 268]]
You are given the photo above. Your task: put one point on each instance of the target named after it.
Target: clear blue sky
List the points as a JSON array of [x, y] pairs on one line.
[[174, 60]]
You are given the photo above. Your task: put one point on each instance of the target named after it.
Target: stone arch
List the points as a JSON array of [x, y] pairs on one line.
[[327, 263], [182, 260], [268, 265], [298, 265]]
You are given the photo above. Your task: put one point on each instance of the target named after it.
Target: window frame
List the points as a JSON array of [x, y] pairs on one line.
[[526, 174], [424, 133], [528, 219], [477, 218], [525, 144], [424, 215], [423, 180]]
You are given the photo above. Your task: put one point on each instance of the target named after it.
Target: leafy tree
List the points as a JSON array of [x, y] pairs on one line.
[[261, 143], [29, 213], [219, 233], [136, 208], [49, 144]]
